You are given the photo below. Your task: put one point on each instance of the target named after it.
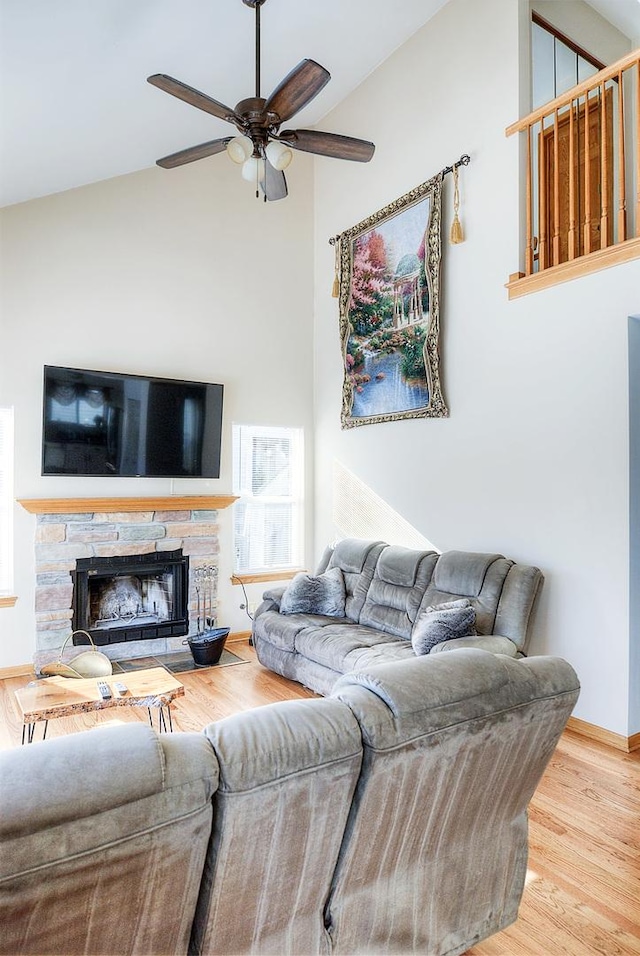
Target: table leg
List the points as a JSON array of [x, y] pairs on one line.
[[28, 731], [165, 723]]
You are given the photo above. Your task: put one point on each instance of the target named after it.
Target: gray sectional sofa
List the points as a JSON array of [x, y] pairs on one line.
[[387, 818], [387, 593]]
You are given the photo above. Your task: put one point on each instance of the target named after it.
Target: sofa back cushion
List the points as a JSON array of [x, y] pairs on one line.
[[103, 837], [357, 560], [502, 593], [396, 590], [287, 776], [452, 756]]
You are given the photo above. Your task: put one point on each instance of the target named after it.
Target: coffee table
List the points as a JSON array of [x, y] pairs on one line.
[[50, 697]]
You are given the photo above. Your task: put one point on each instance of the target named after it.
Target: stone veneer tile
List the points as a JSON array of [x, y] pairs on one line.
[[124, 517], [205, 515], [88, 537], [45, 578], [112, 550], [200, 546], [192, 529], [141, 532], [48, 553], [64, 519], [54, 596], [63, 615], [49, 641], [50, 533], [165, 516], [170, 544], [48, 566]]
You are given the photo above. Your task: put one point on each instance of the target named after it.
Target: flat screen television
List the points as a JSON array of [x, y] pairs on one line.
[[110, 423]]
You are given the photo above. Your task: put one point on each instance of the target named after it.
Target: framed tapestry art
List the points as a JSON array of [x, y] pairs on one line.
[[389, 290]]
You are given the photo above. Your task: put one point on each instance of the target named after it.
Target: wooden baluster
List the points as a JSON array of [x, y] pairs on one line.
[[587, 180], [638, 147], [622, 196], [543, 206], [556, 191], [604, 171], [572, 184], [528, 265]]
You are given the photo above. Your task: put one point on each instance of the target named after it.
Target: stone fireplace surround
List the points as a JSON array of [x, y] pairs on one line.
[[68, 529]]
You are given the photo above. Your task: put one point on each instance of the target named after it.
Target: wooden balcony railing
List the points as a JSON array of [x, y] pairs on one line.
[[582, 179]]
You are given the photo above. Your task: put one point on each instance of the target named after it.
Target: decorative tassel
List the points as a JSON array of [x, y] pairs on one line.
[[456, 235], [335, 291]]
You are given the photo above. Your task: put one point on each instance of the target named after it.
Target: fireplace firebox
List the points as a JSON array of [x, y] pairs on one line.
[[131, 597]]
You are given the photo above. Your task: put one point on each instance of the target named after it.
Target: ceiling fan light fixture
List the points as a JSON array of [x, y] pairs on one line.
[[239, 149], [278, 154], [253, 170]]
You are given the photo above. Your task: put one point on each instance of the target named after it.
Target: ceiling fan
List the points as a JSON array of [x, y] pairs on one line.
[[263, 150]]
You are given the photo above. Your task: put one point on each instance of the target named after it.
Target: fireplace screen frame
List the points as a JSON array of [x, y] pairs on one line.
[[90, 570]]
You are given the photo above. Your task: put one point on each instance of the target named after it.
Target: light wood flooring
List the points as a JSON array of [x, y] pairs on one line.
[[583, 890]]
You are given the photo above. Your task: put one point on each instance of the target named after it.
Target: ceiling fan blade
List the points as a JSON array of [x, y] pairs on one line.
[[192, 153], [329, 144], [193, 97], [297, 89], [275, 185]]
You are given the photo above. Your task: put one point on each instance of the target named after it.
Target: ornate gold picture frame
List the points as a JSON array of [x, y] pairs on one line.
[[389, 296]]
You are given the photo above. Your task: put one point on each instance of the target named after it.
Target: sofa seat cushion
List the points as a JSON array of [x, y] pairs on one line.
[[281, 630], [345, 646]]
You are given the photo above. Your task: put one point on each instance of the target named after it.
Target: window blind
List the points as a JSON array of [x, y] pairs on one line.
[[268, 477]]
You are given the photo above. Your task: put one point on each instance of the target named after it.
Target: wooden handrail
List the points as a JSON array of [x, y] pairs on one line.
[[610, 73]]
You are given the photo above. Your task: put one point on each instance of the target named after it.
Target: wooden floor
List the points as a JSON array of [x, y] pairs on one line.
[[583, 889]]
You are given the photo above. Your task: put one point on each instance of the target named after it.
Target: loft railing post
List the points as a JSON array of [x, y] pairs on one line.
[[544, 201], [587, 179], [571, 251], [622, 197], [556, 190], [604, 171], [528, 266], [637, 150]]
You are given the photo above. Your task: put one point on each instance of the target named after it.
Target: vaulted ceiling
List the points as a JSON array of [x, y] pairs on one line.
[[75, 107]]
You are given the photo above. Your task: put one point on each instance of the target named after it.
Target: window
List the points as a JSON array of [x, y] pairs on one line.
[[268, 472], [6, 499], [557, 63]]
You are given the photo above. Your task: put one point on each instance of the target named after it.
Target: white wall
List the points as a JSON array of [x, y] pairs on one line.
[[533, 460], [180, 273]]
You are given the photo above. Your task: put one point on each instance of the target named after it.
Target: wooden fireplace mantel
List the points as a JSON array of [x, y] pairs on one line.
[[54, 506]]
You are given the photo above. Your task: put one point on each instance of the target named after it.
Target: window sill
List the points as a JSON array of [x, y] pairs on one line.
[[265, 576], [7, 600], [600, 259]]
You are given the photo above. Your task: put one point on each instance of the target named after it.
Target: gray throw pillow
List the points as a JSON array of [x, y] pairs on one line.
[[442, 622], [315, 594]]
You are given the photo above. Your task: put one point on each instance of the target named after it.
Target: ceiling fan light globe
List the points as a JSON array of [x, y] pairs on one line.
[[240, 149], [253, 170], [278, 154]]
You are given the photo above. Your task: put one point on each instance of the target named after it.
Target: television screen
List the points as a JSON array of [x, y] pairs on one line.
[[107, 423]]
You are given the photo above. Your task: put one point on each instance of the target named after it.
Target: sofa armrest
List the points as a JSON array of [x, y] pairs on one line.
[[494, 643], [271, 599]]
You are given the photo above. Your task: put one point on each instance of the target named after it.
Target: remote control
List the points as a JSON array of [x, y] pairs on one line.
[[120, 687], [105, 690]]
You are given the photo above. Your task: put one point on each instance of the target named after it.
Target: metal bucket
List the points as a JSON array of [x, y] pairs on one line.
[[207, 648]]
